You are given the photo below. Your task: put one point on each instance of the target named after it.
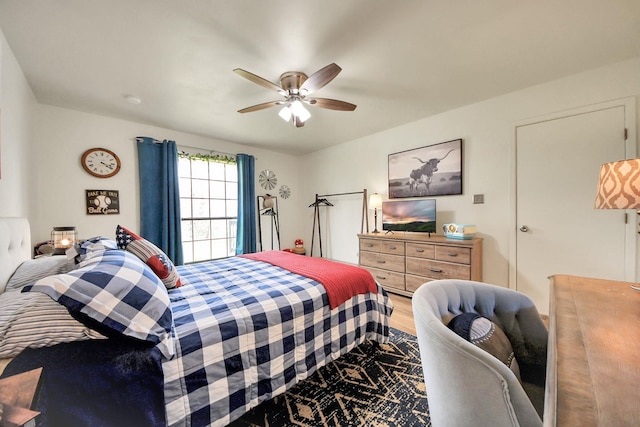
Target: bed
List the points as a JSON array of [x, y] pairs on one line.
[[233, 333]]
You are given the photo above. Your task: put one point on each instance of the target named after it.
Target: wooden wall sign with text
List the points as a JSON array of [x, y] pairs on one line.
[[103, 202]]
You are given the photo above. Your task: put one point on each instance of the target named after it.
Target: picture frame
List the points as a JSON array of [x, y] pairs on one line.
[[432, 170], [102, 202]]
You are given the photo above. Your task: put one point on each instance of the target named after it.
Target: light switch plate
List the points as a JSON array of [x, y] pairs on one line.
[[478, 199]]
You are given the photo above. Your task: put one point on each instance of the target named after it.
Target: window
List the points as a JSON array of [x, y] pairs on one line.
[[208, 206]]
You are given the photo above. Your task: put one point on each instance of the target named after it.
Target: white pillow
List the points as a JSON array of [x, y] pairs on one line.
[[32, 270]]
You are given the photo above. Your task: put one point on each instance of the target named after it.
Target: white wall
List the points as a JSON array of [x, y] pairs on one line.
[[17, 117], [488, 130], [42, 179], [63, 135]]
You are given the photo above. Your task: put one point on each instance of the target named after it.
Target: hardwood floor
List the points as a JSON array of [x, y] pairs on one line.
[[402, 316]]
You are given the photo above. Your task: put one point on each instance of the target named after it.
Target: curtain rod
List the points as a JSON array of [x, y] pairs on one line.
[[340, 194], [199, 148], [207, 149]]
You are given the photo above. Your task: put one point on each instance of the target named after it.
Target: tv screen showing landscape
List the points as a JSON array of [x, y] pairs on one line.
[[410, 215]]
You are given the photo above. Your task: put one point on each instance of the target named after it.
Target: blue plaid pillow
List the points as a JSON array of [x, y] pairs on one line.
[[120, 292], [94, 245]]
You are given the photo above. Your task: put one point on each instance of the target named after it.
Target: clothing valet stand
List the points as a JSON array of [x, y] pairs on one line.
[[322, 201]]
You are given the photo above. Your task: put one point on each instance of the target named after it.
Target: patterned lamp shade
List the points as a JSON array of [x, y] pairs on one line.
[[619, 185]]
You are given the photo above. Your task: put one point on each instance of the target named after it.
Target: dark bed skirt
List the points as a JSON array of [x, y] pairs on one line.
[[106, 383]]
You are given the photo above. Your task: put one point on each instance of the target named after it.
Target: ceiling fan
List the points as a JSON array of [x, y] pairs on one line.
[[295, 86]]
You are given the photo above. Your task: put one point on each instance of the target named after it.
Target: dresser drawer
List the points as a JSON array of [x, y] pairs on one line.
[[370, 245], [421, 250], [453, 254], [382, 261], [412, 283], [438, 269], [395, 248], [388, 279]]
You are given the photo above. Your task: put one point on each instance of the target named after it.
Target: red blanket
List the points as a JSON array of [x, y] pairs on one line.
[[341, 281]]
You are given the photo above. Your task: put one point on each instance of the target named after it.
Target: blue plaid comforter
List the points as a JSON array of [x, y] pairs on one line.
[[246, 331]]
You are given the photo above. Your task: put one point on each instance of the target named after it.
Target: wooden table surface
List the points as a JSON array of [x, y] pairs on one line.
[[593, 369]]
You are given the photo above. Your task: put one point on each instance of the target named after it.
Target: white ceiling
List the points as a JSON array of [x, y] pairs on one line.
[[402, 60]]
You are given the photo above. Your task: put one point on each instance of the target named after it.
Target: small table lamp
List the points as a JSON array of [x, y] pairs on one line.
[[63, 238], [619, 187], [375, 203]]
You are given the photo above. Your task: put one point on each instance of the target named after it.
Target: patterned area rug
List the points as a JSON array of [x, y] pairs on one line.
[[372, 385]]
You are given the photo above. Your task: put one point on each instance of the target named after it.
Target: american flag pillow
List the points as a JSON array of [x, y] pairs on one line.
[[149, 253], [118, 291]]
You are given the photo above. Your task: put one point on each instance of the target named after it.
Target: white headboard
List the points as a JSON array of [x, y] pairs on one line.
[[15, 246]]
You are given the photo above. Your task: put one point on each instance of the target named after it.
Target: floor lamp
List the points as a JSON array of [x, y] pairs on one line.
[[619, 187]]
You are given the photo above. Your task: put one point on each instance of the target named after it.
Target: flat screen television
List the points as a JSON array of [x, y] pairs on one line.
[[409, 215]]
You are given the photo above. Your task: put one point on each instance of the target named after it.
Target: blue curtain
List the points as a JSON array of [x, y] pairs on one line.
[[246, 235], [160, 196]]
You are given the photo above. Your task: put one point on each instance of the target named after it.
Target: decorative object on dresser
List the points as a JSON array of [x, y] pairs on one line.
[[375, 203], [619, 188], [401, 262], [435, 170], [63, 238], [100, 162], [459, 231]]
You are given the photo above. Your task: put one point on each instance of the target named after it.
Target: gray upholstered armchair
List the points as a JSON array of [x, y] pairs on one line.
[[466, 386]]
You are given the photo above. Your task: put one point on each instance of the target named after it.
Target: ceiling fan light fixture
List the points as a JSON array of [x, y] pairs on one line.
[[295, 86], [285, 113], [299, 111]]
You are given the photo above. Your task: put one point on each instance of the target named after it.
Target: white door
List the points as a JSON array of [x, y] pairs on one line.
[[558, 230]]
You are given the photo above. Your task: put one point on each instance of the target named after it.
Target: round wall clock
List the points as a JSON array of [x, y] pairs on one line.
[[285, 191], [100, 162], [267, 179]]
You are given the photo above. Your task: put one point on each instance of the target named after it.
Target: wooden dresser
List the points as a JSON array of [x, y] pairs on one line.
[[593, 363], [401, 262]]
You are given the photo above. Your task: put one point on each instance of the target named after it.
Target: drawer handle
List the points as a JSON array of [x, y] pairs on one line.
[[393, 248], [452, 254], [420, 251], [381, 277], [435, 270], [369, 245], [381, 261]]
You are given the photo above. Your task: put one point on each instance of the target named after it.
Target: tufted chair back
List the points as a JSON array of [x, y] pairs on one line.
[[466, 385]]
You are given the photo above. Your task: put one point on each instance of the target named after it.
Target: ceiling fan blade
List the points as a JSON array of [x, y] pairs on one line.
[[260, 106], [320, 78], [259, 81], [332, 104]]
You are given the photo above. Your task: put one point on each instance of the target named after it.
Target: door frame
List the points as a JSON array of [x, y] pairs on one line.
[[631, 241]]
